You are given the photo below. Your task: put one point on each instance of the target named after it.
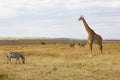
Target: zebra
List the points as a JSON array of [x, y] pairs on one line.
[[16, 55], [72, 45], [81, 44]]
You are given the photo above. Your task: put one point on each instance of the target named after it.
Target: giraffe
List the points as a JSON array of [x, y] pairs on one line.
[[92, 37]]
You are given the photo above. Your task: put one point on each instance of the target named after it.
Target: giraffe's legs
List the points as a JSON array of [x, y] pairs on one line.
[[101, 50], [91, 44]]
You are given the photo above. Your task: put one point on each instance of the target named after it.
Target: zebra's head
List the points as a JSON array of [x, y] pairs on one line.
[[23, 60]]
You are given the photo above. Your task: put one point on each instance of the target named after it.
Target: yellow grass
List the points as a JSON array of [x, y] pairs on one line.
[[59, 62]]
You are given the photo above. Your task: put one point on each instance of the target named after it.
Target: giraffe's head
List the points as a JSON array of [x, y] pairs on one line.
[[81, 18]]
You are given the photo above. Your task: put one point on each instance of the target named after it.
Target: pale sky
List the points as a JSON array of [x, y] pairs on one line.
[[59, 18]]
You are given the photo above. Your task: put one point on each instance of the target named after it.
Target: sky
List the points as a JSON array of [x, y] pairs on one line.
[[59, 18]]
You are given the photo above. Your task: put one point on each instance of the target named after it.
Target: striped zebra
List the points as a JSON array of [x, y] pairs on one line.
[[16, 55], [82, 44], [72, 45]]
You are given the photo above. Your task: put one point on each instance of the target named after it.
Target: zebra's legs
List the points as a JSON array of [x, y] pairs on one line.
[[17, 60], [9, 60]]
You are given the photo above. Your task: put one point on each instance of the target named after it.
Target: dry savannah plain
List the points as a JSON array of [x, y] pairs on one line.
[[57, 61]]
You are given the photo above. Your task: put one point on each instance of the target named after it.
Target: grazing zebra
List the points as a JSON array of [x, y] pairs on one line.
[[81, 44], [72, 45], [16, 55]]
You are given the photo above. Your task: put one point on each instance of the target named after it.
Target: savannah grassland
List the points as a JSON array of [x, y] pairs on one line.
[[59, 62]]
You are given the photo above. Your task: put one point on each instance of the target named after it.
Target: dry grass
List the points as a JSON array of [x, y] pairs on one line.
[[59, 62]]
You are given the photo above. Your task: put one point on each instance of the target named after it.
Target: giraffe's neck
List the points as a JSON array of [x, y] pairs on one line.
[[88, 29]]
